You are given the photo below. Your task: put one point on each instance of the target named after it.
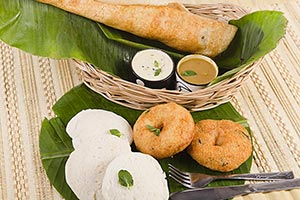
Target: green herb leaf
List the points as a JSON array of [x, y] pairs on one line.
[[115, 132], [125, 178], [157, 72], [156, 131], [188, 73], [156, 63]]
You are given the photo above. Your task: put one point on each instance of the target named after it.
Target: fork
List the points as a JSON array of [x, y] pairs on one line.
[[196, 180]]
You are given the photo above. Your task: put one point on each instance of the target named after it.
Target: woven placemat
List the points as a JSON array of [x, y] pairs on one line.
[[269, 99]]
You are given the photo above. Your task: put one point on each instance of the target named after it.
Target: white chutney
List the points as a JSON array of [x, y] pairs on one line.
[[152, 65]]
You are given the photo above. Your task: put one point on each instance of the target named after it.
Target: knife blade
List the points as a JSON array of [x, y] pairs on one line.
[[218, 193]]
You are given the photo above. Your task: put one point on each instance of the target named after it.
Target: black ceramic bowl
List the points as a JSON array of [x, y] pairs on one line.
[[153, 68]]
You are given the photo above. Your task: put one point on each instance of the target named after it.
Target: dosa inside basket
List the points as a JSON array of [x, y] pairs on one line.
[[139, 97]]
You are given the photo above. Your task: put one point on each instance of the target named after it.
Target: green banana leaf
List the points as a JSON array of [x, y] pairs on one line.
[[55, 148], [47, 31], [56, 145], [258, 34], [137, 42], [50, 32]]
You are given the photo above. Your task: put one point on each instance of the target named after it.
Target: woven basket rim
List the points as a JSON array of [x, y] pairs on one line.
[[113, 77], [129, 94]]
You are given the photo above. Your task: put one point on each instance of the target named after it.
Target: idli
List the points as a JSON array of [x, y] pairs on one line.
[[145, 176], [86, 165], [92, 123]]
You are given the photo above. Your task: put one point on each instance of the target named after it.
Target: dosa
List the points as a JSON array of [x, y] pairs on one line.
[[170, 24]]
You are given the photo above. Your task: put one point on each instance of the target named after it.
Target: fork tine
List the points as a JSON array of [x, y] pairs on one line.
[[172, 173], [180, 181], [178, 170], [179, 176], [179, 173]]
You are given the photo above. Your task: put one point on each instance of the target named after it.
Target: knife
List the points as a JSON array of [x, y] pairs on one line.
[[218, 193]]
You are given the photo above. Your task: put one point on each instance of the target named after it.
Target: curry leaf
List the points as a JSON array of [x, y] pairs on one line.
[[156, 63], [188, 73], [115, 132], [125, 178], [157, 72], [156, 131]]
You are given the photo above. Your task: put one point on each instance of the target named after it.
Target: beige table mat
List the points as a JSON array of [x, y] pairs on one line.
[[270, 100]]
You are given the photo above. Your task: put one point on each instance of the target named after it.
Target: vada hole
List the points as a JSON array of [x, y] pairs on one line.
[[161, 127], [219, 141]]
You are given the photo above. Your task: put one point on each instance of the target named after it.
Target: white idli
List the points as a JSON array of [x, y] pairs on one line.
[[86, 165], [93, 123], [149, 180]]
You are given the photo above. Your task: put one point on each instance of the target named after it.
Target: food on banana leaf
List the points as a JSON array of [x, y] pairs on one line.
[[98, 136], [97, 168], [170, 24]]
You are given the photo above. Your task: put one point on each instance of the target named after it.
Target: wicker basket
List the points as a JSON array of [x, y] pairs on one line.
[[138, 97]]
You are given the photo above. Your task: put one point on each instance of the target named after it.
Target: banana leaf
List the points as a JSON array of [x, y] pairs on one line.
[[137, 42], [55, 148], [258, 34], [56, 145], [47, 31]]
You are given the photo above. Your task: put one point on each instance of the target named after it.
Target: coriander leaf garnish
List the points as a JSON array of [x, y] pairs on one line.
[[115, 132], [156, 131], [157, 72], [156, 63], [125, 178], [188, 73]]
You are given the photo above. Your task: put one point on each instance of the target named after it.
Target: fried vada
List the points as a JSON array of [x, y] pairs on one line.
[[163, 130], [220, 145]]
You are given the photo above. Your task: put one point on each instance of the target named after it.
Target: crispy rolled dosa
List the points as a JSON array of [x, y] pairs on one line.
[[170, 24]]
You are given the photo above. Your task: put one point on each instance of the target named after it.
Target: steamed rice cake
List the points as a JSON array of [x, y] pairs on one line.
[[87, 163], [92, 123], [149, 180]]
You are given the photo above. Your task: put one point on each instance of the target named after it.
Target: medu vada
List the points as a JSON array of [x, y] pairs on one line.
[[220, 145], [163, 130]]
